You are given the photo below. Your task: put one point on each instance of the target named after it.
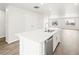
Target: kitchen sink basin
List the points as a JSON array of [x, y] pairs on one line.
[[49, 30]]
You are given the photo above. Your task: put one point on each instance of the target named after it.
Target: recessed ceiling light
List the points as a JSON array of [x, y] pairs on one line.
[[36, 7]]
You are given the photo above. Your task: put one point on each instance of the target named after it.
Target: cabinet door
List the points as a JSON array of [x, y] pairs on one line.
[[29, 47], [55, 40]]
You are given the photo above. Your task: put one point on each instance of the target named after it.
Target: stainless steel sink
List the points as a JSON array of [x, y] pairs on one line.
[[49, 30]]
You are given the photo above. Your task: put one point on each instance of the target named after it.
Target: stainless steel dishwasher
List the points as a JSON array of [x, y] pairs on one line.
[[49, 46]]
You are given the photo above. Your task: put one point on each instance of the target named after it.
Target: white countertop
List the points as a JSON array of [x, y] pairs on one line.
[[38, 35]]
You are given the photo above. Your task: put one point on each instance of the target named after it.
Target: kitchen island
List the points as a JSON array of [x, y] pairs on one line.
[[38, 42]]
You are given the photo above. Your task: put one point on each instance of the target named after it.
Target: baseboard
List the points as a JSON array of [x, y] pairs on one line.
[[9, 42]]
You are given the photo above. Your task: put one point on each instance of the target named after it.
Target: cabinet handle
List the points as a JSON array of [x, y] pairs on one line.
[[49, 39]]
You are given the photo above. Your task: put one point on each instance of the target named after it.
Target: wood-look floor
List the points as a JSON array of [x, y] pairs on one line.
[[69, 43], [9, 49]]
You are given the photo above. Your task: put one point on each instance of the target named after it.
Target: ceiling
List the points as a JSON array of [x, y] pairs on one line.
[[46, 8], [43, 8]]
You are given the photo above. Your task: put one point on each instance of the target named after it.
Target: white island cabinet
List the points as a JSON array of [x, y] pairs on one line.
[[56, 40], [37, 42]]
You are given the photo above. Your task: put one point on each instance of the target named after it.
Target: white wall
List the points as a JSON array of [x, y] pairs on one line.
[[62, 23], [70, 11], [67, 11], [2, 24], [19, 20], [33, 20]]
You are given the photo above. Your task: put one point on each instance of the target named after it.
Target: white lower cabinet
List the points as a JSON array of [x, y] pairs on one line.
[[30, 47], [56, 40]]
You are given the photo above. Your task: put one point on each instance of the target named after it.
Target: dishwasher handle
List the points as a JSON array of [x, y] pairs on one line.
[[49, 39]]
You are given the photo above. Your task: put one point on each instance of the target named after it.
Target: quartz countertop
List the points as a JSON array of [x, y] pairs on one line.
[[37, 35]]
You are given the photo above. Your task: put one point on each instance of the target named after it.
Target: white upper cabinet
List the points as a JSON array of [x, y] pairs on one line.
[[64, 16]]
